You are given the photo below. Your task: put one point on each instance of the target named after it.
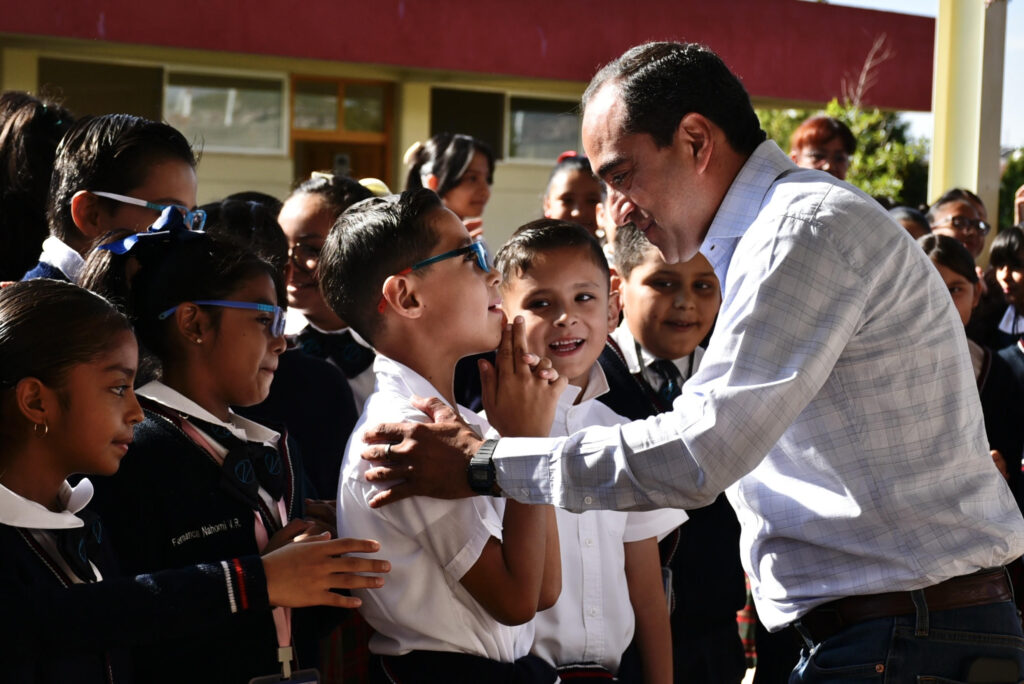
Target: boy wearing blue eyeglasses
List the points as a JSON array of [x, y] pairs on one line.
[[467, 576], [113, 172]]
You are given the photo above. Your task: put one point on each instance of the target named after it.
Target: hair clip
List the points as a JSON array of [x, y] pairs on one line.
[[568, 154], [410, 154], [171, 224], [375, 185]]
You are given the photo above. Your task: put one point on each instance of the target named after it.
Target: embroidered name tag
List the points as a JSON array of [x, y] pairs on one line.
[[206, 531]]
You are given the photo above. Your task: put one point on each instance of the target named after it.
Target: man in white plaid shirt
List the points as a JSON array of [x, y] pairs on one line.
[[836, 403]]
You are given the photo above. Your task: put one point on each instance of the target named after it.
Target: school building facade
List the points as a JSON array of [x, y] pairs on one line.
[[271, 91]]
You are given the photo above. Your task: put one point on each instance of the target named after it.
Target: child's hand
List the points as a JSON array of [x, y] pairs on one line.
[[519, 399], [296, 530], [303, 574], [475, 226], [1000, 462], [324, 514]]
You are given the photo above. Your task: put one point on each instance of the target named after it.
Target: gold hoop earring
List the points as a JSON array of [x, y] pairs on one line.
[[35, 429]]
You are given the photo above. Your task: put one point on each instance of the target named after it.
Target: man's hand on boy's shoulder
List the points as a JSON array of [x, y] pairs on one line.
[[521, 392], [429, 458]]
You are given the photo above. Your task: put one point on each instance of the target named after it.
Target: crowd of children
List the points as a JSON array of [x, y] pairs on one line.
[[223, 514]]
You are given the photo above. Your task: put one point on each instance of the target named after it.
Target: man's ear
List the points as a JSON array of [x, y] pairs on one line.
[[400, 296], [696, 133], [85, 212], [433, 182]]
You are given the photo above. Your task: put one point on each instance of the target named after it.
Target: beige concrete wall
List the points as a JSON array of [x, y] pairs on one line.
[[515, 199], [518, 186], [223, 174], [20, 70]]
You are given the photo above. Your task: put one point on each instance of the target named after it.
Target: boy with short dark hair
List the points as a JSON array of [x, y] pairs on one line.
[[112, 172], [554, 275], [668, 310], [468, 575]]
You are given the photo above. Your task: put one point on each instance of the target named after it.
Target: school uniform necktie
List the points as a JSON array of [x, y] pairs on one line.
[[340, 349], [247, 465], [78, 544], [671, 380]]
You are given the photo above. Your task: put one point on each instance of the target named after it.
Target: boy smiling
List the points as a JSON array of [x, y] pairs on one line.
[[555, 276]]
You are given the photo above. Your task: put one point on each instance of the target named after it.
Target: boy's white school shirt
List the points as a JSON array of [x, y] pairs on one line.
[[592, 622], [431, 543], [627, 344], [40, 521]]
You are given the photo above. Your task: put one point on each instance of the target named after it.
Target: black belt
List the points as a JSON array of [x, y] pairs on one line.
[[458, 668], [978, 589]]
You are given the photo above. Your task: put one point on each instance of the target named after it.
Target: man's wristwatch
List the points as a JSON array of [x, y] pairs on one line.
[[483, 477]]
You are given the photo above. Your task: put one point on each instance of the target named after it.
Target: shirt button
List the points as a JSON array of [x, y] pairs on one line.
[[588, 500], [588, 542], [593, 612]]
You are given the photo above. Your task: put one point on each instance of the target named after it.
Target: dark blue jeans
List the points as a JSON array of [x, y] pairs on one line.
[[976, 644]]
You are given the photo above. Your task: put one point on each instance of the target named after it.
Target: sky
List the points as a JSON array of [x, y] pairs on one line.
[[1012, 133]]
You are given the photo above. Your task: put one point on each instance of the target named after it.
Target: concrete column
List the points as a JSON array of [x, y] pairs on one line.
[[412, 113], [967, 99]]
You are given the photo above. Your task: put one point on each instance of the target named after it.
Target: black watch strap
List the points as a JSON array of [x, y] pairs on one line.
[[483, 477]]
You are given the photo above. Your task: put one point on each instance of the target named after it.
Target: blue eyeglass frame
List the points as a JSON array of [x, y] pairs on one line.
[[477, 248], [195, 219], [276, 326]]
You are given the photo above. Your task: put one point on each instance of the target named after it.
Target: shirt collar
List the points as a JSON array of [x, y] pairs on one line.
[[60, 256], [627, 345], [743, 201], [1013, 322], [17, 511], [597, 384], [240, 427], [396, 377], [341, 331]]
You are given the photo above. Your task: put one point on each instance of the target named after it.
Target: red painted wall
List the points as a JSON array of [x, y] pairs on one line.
[[785, 49]]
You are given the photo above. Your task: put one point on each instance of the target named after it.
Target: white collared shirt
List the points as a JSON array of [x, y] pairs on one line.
[[431, 544], [39, 521], [1012, 322], [60, 256], [852, 439], [239, 426], [592, 621], [627, 345]]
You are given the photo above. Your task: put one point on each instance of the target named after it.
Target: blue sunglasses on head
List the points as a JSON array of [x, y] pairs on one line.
[[276, 325]]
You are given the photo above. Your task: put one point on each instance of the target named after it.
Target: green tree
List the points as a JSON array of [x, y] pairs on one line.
[[886, 165], [1013, 178]]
